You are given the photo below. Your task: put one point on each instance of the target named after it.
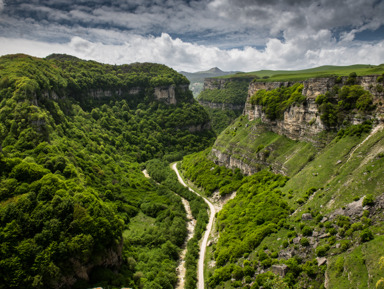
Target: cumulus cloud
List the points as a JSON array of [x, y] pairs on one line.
[[197, 34], [299, 53]]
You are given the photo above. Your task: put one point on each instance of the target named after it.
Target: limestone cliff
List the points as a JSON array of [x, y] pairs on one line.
[[224, 99], [248, 149], [168, 94], [302, 122], [221, 106]]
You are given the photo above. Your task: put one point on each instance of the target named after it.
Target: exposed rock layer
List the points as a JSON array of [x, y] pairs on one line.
[[222, 106], [302, 122]]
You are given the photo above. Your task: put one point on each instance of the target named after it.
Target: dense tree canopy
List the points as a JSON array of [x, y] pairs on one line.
[[71, 188]]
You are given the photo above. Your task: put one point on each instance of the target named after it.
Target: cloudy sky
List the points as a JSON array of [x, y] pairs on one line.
[[194, 35]]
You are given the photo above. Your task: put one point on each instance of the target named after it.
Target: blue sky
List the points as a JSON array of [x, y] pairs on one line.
[[193, 35]]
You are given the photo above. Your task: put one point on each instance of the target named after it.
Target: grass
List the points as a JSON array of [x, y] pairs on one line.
[[299, 75], [138, 225], [343, 182], [255, 145], [361, 266]]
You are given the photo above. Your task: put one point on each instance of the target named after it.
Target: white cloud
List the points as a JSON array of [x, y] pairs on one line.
[[298, 52], [2, 4]]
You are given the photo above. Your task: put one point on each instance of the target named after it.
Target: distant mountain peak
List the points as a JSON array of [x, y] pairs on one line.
[[215, 69]]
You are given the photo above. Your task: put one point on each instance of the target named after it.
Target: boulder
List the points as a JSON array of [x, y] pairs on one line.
[[280, 269], [306, 216]]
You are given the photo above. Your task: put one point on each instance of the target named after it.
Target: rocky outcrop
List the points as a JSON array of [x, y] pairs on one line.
[[219, 83], [299, 122], [222, 106], [302, 122], [168, 94], [199, 127], [112, 258], [232, 162], [215, 83]]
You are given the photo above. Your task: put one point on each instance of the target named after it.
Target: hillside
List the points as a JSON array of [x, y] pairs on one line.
[[305, 161], [300, 75], [197, 78], [75, 209], [224, 100]]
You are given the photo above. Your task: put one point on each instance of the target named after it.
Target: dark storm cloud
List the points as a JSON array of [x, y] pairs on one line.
[[215, 20]]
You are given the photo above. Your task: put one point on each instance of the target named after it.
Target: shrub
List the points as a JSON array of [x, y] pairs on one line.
[[300, 201], [352, 78], [343, 221], [339, 265], [318, 218], [332, 240], [248, 279], [307, 231], [366, 235], [332, 231], [266, 263], [328, 224], [344, 245], [274, 255], [304, 242], [357, 226], [237, 284], [368, 200], [366, 221], [237, 273], [285, 244], [248, 271], [321, 251]]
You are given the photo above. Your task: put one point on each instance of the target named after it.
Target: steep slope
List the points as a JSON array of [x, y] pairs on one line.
[[75, 209], [308, 214], [224, 100]]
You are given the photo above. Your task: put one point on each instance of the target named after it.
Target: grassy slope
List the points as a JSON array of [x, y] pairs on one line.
[[322, 71], [283, 153], [341, 172]]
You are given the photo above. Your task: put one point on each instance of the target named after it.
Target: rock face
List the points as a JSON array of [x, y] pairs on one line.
[[168, 94], [232, 163], [219, 83], [112, 259], [302, 122], [222, 106], [215, 83]]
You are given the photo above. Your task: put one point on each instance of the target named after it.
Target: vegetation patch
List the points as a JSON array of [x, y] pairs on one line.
[[276, 101]]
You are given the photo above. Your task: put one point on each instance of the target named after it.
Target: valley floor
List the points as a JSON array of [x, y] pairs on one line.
[[203, 245]]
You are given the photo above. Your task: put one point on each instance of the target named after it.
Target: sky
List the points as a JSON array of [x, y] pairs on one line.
[[196, 35]]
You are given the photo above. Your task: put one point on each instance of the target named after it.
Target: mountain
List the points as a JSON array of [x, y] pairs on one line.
[[75, 209], [197, 78], [302, 167]]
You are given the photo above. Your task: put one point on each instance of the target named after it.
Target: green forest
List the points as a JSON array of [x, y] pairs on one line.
[[75, 209]]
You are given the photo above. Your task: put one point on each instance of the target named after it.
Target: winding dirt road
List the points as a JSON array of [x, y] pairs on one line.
[[181, 270], [203, 246]]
